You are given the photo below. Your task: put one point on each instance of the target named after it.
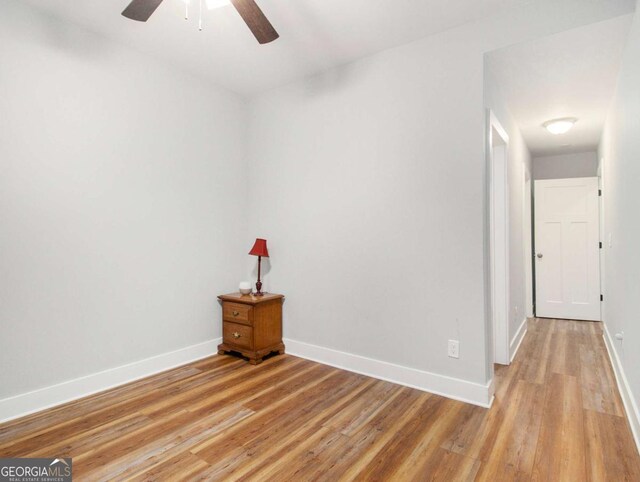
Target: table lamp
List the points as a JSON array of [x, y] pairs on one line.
[[259, 249]]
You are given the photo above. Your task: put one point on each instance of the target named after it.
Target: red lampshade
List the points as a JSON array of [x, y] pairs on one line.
[[260, 248]]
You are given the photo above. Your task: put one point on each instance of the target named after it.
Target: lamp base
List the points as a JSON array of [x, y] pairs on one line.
[[258, 288]]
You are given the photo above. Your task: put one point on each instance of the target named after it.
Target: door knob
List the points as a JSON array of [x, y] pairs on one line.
[[539, 255]]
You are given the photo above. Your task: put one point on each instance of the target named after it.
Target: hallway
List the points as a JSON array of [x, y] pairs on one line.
[[558, 413]]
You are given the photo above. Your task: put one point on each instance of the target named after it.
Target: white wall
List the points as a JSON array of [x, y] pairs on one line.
[[123, 200], [519, 169], [353, 179], [369, 183], [579, 164], [620, 154]]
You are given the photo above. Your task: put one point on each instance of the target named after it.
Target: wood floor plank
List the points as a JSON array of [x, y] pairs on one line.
[[37, 423], [179, 467], [372, 438], [91, 439], [346, 449], [445, 466], [307, 441], [221, 387], [424, 457], [360, 411], [271, 446], [560, 453], [512, 440], [99, 409], [132, 456], [557, 415], [280, 419], [470, 420], [536, 366], [610, 448], [404, 446], [599, 391]]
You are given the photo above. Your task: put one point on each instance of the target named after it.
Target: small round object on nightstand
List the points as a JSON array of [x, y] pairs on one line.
[[245, 288]]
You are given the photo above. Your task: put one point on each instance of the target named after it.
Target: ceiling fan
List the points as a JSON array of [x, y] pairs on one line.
[[259, 25]]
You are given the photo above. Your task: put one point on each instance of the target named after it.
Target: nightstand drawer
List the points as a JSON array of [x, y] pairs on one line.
[[237, 334], [237, 313]]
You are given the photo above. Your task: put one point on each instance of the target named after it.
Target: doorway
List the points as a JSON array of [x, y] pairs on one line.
[[567, 244]]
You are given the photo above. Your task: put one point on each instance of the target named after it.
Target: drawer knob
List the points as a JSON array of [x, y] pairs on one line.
[[236, 334], [236, 313]]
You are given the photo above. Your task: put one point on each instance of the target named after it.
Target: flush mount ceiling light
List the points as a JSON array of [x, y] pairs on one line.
[[560, 126]]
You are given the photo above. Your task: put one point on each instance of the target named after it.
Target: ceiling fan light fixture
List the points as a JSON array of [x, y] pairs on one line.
[[560, 126], [213, 4], [258, 23]]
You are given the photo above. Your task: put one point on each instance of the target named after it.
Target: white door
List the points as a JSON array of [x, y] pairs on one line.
[[567, 249]]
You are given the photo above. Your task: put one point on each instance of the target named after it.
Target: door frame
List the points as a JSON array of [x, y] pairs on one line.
[[602, 232], [498, 157], [527, 234]]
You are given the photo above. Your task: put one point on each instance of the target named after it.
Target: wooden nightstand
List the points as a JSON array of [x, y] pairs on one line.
[[252, 325]]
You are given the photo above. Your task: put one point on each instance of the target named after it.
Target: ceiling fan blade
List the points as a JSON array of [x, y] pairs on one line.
[[256, 21], [141, 10]]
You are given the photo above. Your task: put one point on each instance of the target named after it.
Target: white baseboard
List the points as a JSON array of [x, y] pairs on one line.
[[463, 390], [47, 397], [630, 405], [516, 341]]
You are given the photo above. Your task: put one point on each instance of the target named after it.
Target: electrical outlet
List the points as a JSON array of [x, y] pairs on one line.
[[454, 349]]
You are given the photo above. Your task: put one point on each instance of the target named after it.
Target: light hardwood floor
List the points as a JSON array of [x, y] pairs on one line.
[[557, 416]]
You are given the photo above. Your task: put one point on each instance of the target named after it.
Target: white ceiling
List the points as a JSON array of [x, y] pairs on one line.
[[314, 34], [571, 74]]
